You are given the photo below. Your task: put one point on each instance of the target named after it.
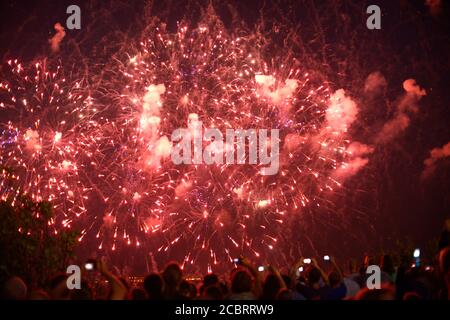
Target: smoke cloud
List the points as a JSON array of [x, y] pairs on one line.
[[341, 112], [278, 95], [32, 140], [159, 147], [375, 83], [56, 40], [406, 105], [435, 155], [357, 159], [435, 6]]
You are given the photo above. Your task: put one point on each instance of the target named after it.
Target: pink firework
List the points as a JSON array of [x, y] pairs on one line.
[[101, 153]]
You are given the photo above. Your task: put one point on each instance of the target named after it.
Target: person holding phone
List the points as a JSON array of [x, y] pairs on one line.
[[314, 286], [337, 289], [118, 291], [272, 284], [245, 281]]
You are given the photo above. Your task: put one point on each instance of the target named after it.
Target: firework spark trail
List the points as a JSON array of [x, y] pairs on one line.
[[44, 142], [69, 148]]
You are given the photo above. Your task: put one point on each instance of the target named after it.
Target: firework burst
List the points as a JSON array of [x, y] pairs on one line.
[[102, 154]]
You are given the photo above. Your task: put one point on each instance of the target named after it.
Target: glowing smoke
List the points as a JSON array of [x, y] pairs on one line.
[[357, 153], [182, 188], [150, 121], [435, 6], [401, 120], [375, 82], [435, 155], [150, 109], [56, 40], [279, 94], [32, 139], [341, 113]]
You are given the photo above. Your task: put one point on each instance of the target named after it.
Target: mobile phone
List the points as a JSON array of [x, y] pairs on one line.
[[416, 255], [90, 265], [298, 271], [307, 261], [237, 261], [261, 268], [326, 258]]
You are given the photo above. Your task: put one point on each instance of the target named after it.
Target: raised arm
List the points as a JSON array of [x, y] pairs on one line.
[[258, 281], [294, 269], [118, 289], [336, 267], [275, 271], [322, 273]]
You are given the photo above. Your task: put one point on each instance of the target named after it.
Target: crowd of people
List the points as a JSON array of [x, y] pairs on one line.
[[400, 279]]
